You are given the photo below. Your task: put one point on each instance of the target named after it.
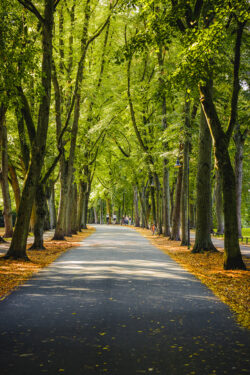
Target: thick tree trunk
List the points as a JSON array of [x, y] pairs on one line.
[[7, 213], [17, 248], [239, 140], [175, 233], [232, 254], [203, 240], [40, 207]]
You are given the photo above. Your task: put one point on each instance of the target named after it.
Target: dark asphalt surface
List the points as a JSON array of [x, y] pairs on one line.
[[118, 306]]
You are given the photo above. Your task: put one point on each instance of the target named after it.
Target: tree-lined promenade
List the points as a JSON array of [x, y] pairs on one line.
[[100, 101]]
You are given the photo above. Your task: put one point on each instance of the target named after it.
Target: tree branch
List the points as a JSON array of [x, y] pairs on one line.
[[27, 115], [31, 7], [236, 83]]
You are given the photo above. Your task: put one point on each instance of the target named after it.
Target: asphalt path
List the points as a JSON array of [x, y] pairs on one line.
[[118, 306]]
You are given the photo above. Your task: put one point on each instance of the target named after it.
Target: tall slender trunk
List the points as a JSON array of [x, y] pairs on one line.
[[166, 189], [136, 208], [166, 200], [175, 232], [203, 240], [185, 178], [52, 208], [73, 212], [61, 217], [184, 195], [81, 187], [7, 213]]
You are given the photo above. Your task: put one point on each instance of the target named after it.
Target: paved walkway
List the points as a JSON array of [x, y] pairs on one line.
[[118, 306]]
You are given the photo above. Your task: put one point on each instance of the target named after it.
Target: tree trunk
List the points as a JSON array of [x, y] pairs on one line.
[[7, 214], [15, 185], [166, 200], [158, 203], [184, 196], [152, 195], [101, 213], [52, 208], [61, 217], [203, 240], [219, 202], [172, 191], [68, 222], [175, 233], [40, 208], [17, 248], [239, 140], [73, 212], [136, 208], [185, 179], [109, 209], [232, 254]]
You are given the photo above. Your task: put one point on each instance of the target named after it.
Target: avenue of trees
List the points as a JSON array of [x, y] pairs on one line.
[[136, 108]]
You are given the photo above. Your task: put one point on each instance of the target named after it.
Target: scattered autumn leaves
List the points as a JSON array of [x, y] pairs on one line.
[[14, 273], [232, 287]]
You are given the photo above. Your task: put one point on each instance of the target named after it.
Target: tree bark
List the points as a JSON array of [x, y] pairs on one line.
[[15, 185], [80, 205], [7, 213], [136, 208], [166, 200], [175, 233], [219, 202], [40, 207], [203, 240], [185, 178], [239, 140], [232, 254]]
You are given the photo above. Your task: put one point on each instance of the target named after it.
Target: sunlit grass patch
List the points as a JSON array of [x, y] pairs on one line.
[[232, 287], [14, 273]]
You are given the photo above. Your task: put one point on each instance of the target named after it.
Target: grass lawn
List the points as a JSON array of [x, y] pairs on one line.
[[14, 273], [232, 287]]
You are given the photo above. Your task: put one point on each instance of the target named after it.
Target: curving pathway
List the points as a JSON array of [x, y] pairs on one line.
[[118, 306]]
